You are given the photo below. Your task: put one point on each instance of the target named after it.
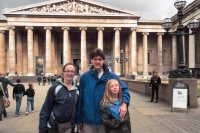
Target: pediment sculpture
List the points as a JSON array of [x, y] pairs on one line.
[[72, 7]]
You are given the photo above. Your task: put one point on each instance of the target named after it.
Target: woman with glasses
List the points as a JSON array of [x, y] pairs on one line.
[[60, 102]]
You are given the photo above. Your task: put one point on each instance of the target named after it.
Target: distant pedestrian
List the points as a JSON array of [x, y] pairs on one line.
[[49, 79], [18, 93], [154, 85], [30, 92], [44, 80], [5, 83], [39, 79]]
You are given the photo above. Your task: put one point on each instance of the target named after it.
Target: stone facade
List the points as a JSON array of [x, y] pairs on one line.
[[62, 31]]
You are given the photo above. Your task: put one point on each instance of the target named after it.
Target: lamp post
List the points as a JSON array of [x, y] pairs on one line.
[[193, 24], [121, 60]]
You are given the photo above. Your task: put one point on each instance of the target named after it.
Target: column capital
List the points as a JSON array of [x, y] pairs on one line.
[[159, 33], [29, 27], [2, 31], [50, 28], [117, 28], [67, 28], [134, 28], [100, 28], [145, 33], [83, 28], [11, 27]]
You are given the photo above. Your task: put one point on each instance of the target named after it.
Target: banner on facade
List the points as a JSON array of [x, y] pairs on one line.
[[39, 65]]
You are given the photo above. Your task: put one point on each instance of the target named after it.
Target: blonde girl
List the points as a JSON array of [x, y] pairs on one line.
[[110, 105]]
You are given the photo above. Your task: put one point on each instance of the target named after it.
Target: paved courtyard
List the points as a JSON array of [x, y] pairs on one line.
[[146, 117]]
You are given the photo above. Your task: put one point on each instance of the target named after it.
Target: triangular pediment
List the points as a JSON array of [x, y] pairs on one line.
[[70, 7]]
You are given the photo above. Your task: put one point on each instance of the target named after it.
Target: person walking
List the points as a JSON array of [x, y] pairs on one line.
[[39, 79], [30, 92], [44, 80], [92, 85], [18, 93], [5, 82], [60, 103], [154, 85], [49, 79], [110, 105]]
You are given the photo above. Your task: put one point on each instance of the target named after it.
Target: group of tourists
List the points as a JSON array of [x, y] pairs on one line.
[[50, 79], [18, 92], [99, 104]]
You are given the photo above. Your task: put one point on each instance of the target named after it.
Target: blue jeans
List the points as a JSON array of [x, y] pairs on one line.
[[30, 100], [18, 98]]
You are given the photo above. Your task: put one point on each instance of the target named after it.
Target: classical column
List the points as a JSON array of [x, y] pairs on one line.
[[30, 50], [100, 37], [174, 52], [35, 50], [133, 52], [19, 50], [191, 51], [83, 49], [2, 51], [160, 56], [117, 50], [48, 51], [66, 50], [12, 60], [145, 50]]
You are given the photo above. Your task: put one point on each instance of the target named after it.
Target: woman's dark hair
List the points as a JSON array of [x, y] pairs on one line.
[[68, 65], [18, 80], [97, 52]]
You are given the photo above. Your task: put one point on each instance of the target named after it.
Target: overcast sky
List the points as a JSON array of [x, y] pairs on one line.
[[150, 9]]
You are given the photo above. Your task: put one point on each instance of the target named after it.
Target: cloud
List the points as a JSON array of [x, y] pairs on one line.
[[150, 9]]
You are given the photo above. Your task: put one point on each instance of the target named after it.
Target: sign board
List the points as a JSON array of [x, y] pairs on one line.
[[180, 95]]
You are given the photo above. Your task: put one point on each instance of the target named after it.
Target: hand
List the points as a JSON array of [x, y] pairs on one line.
[[150, 87], [123, 110], [80, 127], [13, 98]]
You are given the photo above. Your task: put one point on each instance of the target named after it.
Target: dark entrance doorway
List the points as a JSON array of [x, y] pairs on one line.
[[77, 63]]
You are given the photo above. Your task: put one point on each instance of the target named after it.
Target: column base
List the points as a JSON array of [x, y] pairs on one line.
[[47, 74], [134, 73], [146, 76], [30, 74]]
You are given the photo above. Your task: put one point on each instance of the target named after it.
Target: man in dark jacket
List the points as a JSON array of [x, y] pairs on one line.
[[154, 85], [39, 79], [5, 83], [18, 93]]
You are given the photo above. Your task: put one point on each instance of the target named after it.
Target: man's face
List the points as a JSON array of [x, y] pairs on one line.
[[97, 62]]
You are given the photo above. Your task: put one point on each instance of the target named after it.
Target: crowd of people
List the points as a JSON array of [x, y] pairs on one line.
[[50, 79], [97, 104]]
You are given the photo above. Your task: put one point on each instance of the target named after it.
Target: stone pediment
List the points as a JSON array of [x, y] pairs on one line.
[[70, 7]]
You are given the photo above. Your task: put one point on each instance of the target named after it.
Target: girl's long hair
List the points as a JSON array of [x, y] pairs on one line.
[[107, 99]]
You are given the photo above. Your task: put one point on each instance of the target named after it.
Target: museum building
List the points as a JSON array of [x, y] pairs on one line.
[[42, 37]]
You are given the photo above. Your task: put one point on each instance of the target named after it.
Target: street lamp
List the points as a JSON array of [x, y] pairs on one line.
[[121, 60], [193, 24]]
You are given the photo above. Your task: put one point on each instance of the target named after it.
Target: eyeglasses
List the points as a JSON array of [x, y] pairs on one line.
[[69, 71]]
